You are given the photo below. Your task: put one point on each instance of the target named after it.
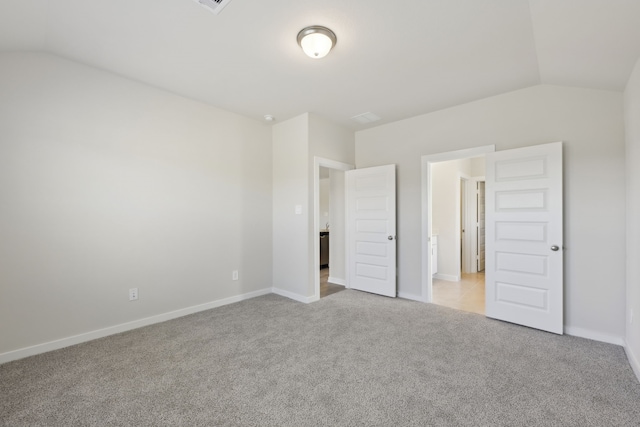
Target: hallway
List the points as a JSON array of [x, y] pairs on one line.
[[465, 295], [327, 288]]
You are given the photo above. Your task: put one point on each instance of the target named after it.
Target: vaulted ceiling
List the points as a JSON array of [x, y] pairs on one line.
[[396, 59]]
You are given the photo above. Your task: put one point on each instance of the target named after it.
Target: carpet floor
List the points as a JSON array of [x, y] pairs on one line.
[[351, 359]]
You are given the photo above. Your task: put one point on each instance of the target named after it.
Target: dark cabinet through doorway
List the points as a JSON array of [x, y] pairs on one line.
[[324, 249]]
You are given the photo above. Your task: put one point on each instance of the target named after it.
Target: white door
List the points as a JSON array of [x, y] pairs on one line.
[[371, 229], [480, 226], [524, 259]]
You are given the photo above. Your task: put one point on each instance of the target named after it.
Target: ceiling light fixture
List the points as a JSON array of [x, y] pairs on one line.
[[316, 41]]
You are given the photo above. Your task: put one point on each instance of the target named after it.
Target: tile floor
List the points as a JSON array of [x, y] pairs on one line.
[[327, 288], [466, 295]]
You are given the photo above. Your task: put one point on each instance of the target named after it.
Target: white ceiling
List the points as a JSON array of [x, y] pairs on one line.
[[396, 59]]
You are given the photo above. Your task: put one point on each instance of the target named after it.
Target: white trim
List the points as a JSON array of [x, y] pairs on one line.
[[330, 164], [634, 361], [123, 327], [337, 281], [427, 207], [412, 297], [593, 335], [458, 154], [294, 296], [447, 277]]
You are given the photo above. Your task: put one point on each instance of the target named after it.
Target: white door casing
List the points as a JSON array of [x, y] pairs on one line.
[[371, 239], [524, 254]]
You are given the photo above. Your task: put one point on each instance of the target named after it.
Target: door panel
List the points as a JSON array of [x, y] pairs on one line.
[[481, 226], [371, 216], [524, 275]]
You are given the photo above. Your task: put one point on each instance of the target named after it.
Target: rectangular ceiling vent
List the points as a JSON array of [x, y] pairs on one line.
[[214, 6], [365, 118]]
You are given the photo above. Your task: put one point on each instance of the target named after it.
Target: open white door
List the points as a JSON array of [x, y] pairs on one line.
[[371, 229], [524, 259]]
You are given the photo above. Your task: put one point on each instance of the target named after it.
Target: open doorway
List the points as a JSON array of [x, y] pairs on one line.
[[454, 221], [329, 227], [328, 191], [457, 282]]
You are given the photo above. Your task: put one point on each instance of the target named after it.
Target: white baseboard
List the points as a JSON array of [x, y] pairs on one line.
[[412, 297], [593, 335], [337, 281], [123, 327], [447, 277], [294, 296], [634, 360]]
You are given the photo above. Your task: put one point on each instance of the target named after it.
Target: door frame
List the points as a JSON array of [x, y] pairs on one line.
[[319, 162], [426, 187], [472, 223]]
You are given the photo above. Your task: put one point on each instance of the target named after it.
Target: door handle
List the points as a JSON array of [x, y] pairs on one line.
[[555, 248], [390, 237]]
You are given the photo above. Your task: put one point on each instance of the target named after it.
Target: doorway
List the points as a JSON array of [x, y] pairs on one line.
[[451, 229], [329, 227], [524, 262], [472, 214], [456, 282], [324, 216]]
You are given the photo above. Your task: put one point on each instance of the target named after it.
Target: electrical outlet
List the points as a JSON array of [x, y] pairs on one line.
[[234, 275], [133, 294]]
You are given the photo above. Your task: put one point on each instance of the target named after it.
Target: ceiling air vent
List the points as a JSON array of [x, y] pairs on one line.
[[213, 5], [365, 118]]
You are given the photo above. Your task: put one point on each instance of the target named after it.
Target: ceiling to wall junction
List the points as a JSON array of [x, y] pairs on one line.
[[395, 59]]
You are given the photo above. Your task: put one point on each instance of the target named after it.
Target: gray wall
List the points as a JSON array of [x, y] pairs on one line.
[[632, 122], [591, 125], [290, 189], [296, 142], [107, 184], [332, 142]]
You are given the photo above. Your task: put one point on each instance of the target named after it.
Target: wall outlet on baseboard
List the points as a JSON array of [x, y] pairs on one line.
[[133, 294], [234, 275]]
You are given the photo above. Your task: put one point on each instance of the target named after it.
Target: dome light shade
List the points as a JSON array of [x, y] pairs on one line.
[[316, 41]]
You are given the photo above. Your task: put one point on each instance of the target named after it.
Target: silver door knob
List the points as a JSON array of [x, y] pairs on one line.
[[554, 248], [391, 237]]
